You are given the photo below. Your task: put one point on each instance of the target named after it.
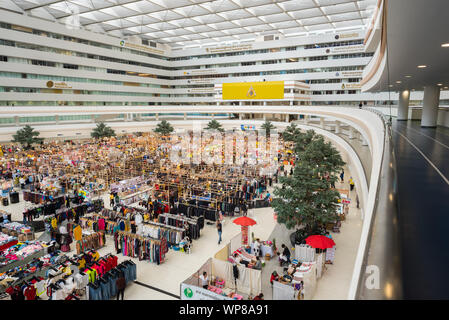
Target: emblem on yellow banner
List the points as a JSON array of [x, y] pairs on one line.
[[251, 92]]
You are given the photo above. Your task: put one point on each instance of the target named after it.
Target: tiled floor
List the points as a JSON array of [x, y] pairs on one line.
[[179, 266]]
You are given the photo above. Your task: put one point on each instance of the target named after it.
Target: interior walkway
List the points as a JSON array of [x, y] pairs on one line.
[[422, 156]]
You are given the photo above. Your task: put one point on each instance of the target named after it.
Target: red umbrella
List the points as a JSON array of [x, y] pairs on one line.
[[320, 242], [244, 221]]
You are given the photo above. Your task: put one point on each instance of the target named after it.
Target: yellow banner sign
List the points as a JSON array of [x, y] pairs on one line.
[[253, 90]]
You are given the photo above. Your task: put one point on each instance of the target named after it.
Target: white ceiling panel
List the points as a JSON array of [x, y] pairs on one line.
[[204, 21]]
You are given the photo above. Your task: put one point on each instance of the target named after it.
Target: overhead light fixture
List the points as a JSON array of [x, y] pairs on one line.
[[390, 85], [422, 66], [445, 45], [408, 76], [439, 84], [398, 81]]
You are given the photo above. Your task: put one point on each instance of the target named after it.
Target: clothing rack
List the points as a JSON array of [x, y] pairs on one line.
[[137, 246]]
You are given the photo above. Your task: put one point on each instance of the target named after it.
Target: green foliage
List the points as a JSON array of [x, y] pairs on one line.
[[26, 137], [290, 132], [164, 128], [214, 125], [307, 199], [102, 131], [268, 126]]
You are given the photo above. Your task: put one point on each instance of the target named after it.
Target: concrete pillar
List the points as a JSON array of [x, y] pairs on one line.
[[213, 114], [352, 133], [404, 99], [306, 119], [57, 119], [16, 119], [322, 122], [264, 117], [157, 116], [363, 140], [92, 117], [287, 118], [337, 127], [240, 116], [430, 106], [185, 116]]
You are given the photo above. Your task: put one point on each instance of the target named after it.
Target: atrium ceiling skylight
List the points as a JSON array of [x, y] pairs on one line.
[[199, 22]]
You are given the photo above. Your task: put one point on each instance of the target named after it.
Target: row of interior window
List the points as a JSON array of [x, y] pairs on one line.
[[227, 54], [271, 50], [133, 73], [28, 103], [276, 72], [77, 40], [96, 92], [96, 81], [206, 76], [326, 92], [62, 118]]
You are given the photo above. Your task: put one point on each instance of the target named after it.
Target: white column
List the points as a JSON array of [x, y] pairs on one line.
[[57, 119], [185, 116], [213, 114], [16, 119], [337, 126], [264, 117], [157, 116], [287, 118], [306, 119], [363, 140], [240, 116], [92, 118], [404, 99], [352, 133], [322, 122], [430, 106]]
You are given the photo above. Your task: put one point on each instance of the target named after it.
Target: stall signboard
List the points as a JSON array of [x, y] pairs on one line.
[[201, 198], [246, 127], [191, 292]]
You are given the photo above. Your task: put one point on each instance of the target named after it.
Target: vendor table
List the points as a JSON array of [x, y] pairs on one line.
[[264, 249]]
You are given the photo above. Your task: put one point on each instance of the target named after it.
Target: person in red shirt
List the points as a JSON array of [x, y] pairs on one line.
[[259, 297], [274, 277], [30, 293]]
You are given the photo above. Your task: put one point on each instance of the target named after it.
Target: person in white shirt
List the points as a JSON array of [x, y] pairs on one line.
[[256, 247], [204, 280]]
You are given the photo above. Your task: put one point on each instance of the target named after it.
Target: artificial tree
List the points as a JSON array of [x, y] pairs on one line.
[[102, 131], [267, 126], [214, 125], [26, 137], [307, 199], [164, 128]]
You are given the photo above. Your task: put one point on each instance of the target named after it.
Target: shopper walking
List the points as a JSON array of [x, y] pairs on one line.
[[256, 247], [121, 284], [342, 175], [244, 209], [111, 200], [351, 184], [237, 210], [219, 229], [357, 200]]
